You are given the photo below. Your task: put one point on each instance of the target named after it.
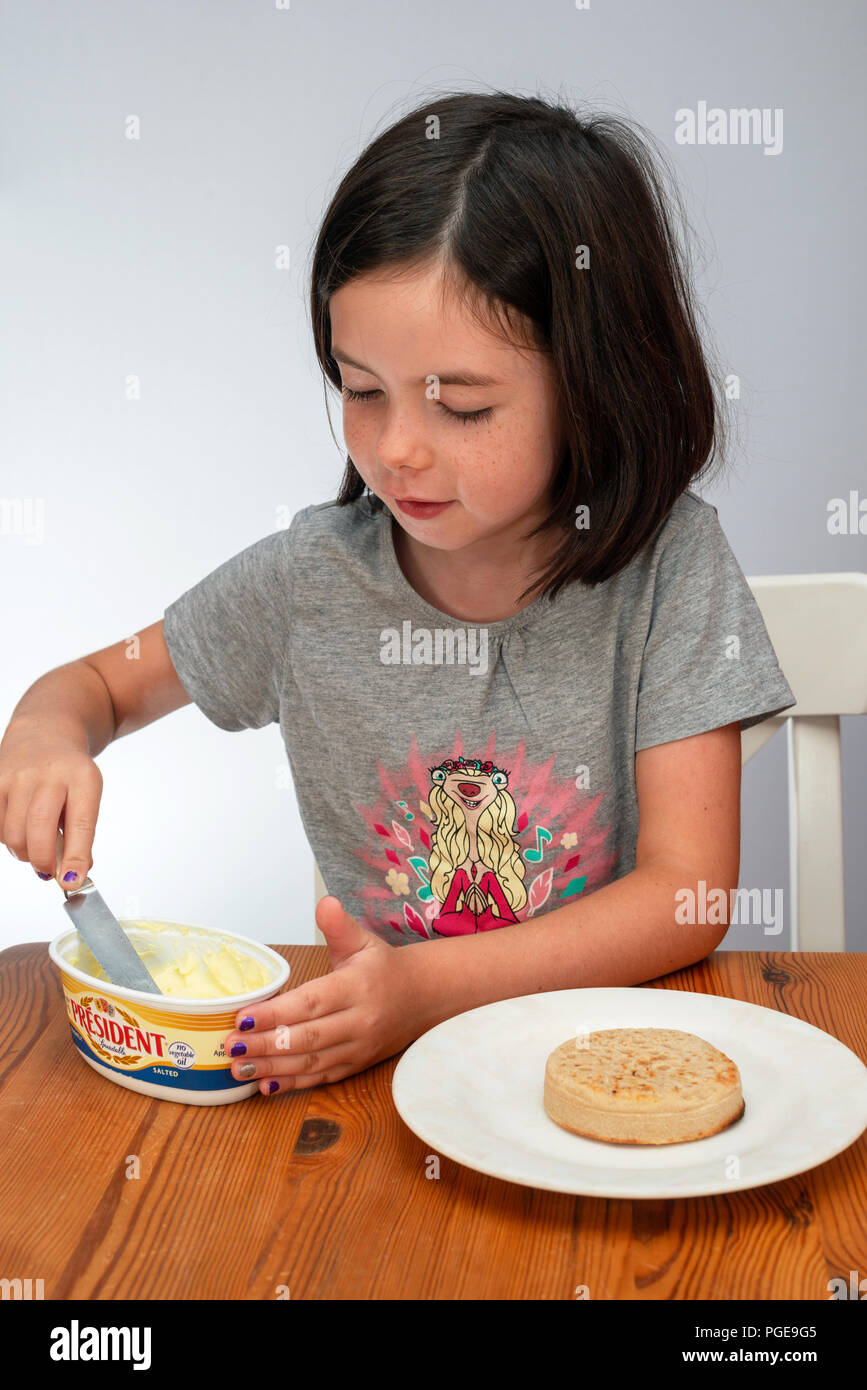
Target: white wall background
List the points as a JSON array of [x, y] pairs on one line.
[[155, 257]]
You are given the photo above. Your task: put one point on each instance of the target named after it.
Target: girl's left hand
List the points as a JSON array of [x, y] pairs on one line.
[[367, 1009]]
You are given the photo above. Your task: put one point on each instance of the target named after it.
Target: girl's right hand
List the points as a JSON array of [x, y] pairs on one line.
[[45, 784]]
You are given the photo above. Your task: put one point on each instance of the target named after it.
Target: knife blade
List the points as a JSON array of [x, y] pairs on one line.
[[106, 938]]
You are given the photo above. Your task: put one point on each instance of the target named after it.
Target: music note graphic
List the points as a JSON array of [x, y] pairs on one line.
[[409, 815], [542, 836], [420, 866]]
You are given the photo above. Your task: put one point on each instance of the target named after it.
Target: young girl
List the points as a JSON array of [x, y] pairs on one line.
[[511, 662]]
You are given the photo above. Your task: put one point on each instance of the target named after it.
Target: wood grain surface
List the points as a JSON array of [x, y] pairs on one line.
[[324, 1194]]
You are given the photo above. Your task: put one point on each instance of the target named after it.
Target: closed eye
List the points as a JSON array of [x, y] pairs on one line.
[[466, 417]]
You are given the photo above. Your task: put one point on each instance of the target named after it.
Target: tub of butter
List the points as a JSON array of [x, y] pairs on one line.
[[169, 1046]]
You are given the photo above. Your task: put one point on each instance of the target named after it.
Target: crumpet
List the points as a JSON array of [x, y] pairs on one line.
[[642, 1086]]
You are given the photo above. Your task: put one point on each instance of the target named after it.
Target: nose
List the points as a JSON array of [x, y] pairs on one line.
[[469, 788], [401, 442]]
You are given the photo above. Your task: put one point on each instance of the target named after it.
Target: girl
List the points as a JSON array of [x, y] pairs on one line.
[[512, 660]]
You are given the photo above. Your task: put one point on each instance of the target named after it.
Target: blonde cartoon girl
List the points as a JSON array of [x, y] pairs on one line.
[[474, 856]]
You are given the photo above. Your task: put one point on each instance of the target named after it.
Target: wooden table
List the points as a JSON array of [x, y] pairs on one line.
[[324, 1192]]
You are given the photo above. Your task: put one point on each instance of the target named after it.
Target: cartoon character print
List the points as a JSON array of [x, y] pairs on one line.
[[476, 869], [445, 853]]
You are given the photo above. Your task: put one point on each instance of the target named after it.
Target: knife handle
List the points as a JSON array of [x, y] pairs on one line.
[[86, 883]]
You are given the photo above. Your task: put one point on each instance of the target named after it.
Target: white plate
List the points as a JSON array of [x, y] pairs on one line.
[[472, 1087]]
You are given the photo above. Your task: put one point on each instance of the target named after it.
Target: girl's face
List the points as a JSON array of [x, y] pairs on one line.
[[389, 336]]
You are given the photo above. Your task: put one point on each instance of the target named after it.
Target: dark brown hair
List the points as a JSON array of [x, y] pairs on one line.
[[502, 198]]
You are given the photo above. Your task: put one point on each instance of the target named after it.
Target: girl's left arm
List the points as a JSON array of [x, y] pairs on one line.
[[627, 932]]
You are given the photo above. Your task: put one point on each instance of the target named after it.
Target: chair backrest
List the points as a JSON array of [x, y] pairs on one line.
[[818, 626]]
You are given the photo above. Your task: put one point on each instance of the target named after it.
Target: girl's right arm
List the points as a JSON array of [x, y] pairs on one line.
[[58, 727]]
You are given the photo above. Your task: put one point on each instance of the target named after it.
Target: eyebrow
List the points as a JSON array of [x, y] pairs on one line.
[[459, 378]]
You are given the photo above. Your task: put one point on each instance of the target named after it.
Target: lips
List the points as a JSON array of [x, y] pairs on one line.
[[422, 511]]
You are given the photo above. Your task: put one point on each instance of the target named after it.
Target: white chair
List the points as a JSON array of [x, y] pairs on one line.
[[818, 626]]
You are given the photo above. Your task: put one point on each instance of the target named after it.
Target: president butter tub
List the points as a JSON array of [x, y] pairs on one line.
[[169, 1046]]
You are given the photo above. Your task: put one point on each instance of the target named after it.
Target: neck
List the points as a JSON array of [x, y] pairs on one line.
[[475, 585]]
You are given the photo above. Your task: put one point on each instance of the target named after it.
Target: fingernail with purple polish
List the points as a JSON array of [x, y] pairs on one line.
[[42, 875], [70, 877], [273, 1086], [238, 1048], [246, 1023]]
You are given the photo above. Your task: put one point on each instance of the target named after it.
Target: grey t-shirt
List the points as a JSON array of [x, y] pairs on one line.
[[452, 777]]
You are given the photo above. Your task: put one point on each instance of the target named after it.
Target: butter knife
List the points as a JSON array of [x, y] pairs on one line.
[[104, 935]]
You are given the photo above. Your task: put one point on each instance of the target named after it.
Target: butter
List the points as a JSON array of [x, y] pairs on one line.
[[185, 962]]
